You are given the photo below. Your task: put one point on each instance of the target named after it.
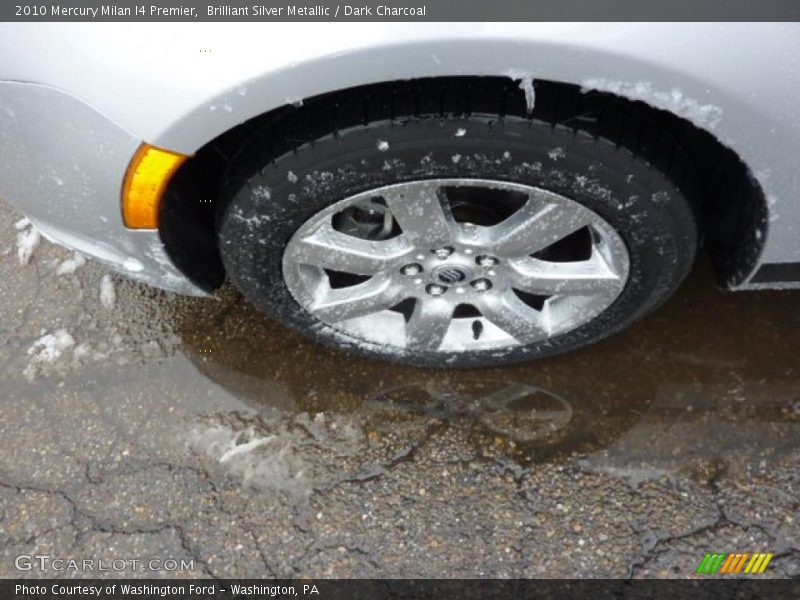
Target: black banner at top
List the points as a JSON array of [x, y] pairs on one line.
[[399, 10]]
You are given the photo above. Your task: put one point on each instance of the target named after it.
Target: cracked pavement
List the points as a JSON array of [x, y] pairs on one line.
[[156, 426]]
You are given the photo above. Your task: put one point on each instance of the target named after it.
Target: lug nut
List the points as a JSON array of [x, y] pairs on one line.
[[435, 290], [486, 261], [481, 285], [442, 253], [412, 269]]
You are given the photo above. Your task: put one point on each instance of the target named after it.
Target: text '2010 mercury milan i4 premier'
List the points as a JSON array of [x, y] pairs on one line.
[[435, 194]]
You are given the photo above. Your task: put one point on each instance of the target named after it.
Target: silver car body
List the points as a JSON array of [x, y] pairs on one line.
[[77, 99]]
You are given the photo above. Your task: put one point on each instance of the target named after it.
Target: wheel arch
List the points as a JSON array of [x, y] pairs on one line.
[[731, 206]]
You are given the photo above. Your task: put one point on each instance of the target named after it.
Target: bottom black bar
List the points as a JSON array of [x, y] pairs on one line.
[[709, 586]]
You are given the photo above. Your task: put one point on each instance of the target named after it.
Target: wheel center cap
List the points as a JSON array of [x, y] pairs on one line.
[[451, 274]]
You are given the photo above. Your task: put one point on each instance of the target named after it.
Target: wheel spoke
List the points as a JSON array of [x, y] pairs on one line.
[[334, 250], [593, 277], [429, 323], [421, 213], [543, 220], [513, 316], [339, 304]]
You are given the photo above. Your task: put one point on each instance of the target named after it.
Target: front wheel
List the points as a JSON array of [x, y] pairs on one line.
[[457, 241]]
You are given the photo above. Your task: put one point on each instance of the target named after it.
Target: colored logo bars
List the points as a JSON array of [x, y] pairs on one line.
[[734, 563]]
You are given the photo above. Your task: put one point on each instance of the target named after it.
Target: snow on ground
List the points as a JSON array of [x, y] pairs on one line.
[[47, 350], [27, 242], [108, 295], [71, 265]]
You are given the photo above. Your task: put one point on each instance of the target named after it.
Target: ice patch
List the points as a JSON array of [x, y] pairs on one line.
[[82, 351], [71, 265], [291, 177], [537, 166], [660, 197], [295, 101], [525, 84], [262, 192], [383, 145], [461, 132], [268, 462], [702, 115], [108, 295], [47, 350], [392, 163], [52, 345], [556, 153], [27, 242], [238, 450], [23, 223], [455, 158], [252, 221]]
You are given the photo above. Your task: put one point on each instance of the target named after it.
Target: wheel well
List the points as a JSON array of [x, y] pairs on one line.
[[729, 204]]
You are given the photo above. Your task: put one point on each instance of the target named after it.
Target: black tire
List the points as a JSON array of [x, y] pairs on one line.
[[290, 171]]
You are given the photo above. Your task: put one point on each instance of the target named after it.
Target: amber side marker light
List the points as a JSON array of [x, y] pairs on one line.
[[145, 181]]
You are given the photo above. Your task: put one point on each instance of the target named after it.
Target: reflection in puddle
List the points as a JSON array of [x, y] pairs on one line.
[[706, 382], [521, 412]]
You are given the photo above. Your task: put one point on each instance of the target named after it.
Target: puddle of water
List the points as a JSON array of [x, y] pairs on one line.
[[711, 375], [708, 386]]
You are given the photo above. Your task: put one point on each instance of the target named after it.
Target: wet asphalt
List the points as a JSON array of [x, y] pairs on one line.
[[155, 426]]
